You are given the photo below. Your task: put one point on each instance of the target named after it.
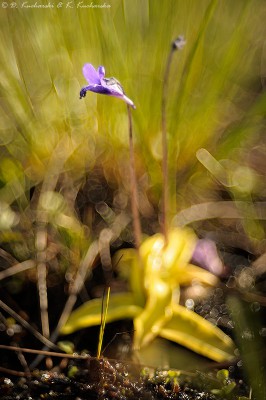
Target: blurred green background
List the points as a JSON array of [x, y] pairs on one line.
[[64, 160]]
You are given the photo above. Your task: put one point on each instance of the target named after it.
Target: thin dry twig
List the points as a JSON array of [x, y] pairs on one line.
[[84, 267], [80, 357], [41, 247], [27, 326], [17, 268], [53, 172], [22, 359], [14, 372], [177, 44], [44, 352], [8, 257]]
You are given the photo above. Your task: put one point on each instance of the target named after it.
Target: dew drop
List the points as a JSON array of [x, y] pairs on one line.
[[190, 304]]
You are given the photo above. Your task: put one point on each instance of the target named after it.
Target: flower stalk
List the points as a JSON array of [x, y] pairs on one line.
[[133, 179], [176, 45]]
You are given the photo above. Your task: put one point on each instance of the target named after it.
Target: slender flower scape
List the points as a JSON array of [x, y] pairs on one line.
[[99, 84]]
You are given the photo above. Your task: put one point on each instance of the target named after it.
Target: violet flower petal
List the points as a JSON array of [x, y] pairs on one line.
[[98, 89], [206, 256], [113, 86], [129, 102], [91, 74], [101, 72]]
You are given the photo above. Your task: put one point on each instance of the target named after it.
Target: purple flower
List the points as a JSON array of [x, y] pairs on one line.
[[99, 84], [206, 256]]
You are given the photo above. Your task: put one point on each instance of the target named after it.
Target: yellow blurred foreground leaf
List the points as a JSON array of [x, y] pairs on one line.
[[190, 330], [121, 306]]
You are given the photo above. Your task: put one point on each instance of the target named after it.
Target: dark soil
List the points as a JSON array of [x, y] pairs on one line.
[[100, 379]]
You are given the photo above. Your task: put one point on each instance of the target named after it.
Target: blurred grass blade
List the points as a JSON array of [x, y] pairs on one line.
[[192, 62], [192, 331], [103, 321], [121, 306]]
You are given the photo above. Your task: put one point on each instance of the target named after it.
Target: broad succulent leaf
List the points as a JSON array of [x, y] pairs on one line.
[[121, 306], [194, 332]]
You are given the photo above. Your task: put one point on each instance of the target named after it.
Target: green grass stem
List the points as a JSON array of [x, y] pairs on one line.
[[103, 321]]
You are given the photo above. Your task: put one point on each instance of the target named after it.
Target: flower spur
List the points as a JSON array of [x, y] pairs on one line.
[[99, 84]]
